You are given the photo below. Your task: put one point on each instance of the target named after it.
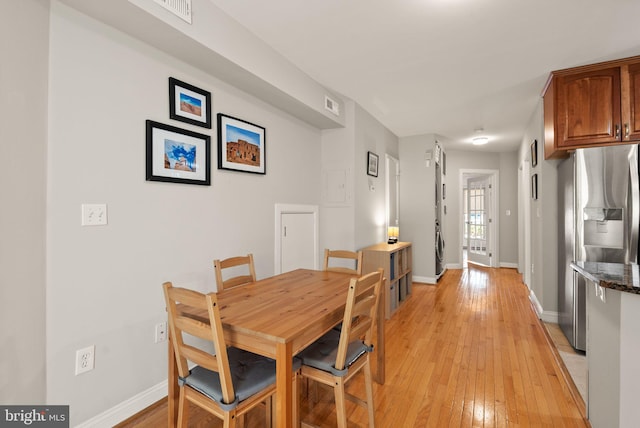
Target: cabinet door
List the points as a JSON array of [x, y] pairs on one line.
[[631, 125], [588, 108]]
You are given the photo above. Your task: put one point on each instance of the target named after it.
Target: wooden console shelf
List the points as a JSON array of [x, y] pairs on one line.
[[396, 260]]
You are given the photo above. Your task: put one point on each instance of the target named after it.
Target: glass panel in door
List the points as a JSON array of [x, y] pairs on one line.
[[478, 220]]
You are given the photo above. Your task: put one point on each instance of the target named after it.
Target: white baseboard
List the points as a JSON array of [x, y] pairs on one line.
[[509, 265], [536, 304], [546, 316], [550, 316], [454, 266], [127, 408], [429, 279], [424, 279]]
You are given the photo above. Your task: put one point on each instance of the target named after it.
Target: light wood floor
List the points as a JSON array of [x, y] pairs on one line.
[[467, 352]]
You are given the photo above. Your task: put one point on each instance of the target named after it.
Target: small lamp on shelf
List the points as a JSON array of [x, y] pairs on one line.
[[393, 234]]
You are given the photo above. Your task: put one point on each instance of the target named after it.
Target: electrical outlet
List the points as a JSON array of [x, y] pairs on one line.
[[161, 332], [94, 214], [85, 359]]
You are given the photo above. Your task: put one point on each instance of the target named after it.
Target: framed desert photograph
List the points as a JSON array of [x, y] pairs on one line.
[[189, 104], [177, 155], [372, 164], [241, 145]]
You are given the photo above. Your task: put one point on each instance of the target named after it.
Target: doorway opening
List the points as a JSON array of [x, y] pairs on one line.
[[479, 225]]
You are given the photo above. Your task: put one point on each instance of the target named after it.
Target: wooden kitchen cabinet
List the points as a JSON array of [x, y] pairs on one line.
[[593, 105], [396, 260]]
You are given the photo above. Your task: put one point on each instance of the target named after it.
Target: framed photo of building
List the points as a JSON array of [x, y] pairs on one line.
[[189, 104], [241, 145], [177, 155]]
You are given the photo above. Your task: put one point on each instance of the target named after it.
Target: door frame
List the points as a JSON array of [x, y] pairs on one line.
[[295, 209], [389, 182], [494, 230]]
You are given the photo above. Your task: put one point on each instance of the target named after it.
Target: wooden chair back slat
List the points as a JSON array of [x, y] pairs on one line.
[[181, 325], [356, 256], [360, 311], [232, 262]]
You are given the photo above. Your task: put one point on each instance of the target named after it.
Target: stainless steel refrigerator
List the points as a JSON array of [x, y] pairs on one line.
[[599, 197]]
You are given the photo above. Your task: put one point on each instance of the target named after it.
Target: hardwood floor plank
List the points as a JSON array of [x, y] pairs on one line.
[[467, 352]]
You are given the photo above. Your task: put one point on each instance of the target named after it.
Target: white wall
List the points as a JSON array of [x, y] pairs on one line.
[[543, 222], [103, 285], [417, 203], [337, 215], [370, 212], [360, 221], [24, 43]]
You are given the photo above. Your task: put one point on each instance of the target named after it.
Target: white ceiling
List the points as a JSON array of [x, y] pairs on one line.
[[443, 66]]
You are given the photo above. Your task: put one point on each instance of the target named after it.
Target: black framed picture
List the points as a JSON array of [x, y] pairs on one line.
[[177, 155], [534, 186], [189, 104], [372, 164], [241, 145], [534, 153]]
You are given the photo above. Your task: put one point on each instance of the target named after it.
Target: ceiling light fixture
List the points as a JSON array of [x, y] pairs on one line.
[[478, 141]]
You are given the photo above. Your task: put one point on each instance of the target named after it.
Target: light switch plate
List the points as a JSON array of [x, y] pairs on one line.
[[94, 214]]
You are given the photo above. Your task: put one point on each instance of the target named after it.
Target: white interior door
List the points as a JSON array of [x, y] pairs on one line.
[[479, 220], [297, 238], [392, 191]]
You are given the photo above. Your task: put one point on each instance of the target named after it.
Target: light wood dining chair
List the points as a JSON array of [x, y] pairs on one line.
[[235, 262], [356, 256], [337, 356], [228, 383]]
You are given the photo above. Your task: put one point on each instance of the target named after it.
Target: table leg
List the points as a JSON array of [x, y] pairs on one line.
[[174, 389], [284, 379], [379, 373]]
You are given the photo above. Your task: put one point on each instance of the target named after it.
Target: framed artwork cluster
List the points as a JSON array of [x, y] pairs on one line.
[[180, 155]]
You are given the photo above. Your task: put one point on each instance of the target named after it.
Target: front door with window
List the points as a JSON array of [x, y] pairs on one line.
[[478, 220]]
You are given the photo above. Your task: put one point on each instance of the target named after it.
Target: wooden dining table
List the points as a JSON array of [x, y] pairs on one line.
[[278, 317]]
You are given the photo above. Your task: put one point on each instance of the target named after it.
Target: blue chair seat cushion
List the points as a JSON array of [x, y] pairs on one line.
[[250, 374], [322, 353]]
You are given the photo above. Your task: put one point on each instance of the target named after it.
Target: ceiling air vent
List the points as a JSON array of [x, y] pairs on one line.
[[331, 105], [180, 8]]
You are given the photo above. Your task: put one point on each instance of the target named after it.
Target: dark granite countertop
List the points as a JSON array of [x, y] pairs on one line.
[[617, 276]]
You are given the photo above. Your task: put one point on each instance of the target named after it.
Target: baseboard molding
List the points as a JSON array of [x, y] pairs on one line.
[[546, 316], [454, 266], [509, 265], [424, 279], [127, 408], [536, 304], [550, 316]]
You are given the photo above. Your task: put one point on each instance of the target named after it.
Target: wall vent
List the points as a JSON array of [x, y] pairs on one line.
[[180, 8], [331, 105]]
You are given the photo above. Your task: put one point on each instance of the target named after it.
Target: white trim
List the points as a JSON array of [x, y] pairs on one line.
[[536, 304], [495, 203], [424, 279], [550, 317], [127, 408], [295, 209], [454, 266], [509, 265]]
